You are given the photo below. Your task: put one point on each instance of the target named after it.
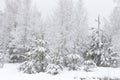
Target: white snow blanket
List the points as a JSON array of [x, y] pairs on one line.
[[10, 72]]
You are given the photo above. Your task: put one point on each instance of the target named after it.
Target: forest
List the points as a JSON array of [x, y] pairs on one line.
[[61, 43]]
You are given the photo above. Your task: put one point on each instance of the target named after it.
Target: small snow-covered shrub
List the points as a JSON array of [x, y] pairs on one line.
[[109, 59], [16, 54], [88, 65], [17, 58], [54, 69], [56, 63], [73, 61]]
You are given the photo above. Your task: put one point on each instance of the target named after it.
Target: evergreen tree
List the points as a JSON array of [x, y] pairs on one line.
[[99, 49], [36, 59]]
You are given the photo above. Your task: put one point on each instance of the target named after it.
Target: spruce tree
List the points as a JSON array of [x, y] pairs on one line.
[[99, 48], [36, 58]]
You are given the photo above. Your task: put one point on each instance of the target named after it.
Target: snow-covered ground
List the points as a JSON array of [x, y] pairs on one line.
[[10, 72]]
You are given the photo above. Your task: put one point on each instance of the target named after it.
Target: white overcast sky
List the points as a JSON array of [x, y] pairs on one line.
[[93, 7]]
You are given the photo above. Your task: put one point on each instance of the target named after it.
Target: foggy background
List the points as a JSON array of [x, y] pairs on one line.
[[93, 8]]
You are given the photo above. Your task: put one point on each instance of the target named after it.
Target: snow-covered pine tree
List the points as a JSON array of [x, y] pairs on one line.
[[36, 58], [88, 65], [109, 58], [96, 46], [9, 22], [17, 23], [99, 49]]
